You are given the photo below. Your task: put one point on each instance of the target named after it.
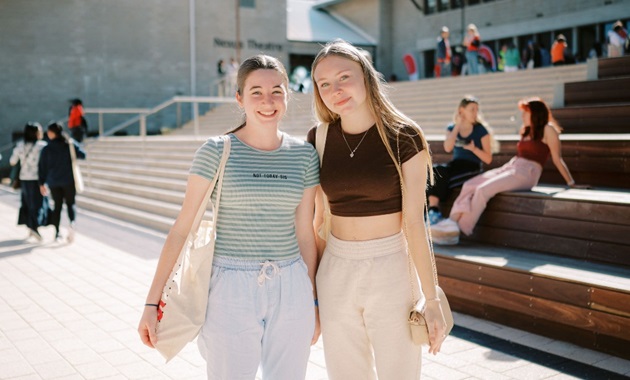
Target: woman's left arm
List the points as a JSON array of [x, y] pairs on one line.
[[306, 241], [415, 179], [553, 142]]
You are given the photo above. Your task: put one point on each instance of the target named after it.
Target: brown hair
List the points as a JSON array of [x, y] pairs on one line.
[[540, 117], [389, 120]]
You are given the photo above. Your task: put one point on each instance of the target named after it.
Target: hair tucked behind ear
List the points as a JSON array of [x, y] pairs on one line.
[[390, 122]]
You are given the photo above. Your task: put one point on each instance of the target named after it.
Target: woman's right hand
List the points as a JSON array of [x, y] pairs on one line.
[[148, 326]]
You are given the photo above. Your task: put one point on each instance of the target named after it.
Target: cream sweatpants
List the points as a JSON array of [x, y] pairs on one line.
[[517, 174], [364, 292]]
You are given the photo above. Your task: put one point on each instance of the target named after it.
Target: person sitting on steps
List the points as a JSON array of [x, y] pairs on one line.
[[539, 140], [470, 140]]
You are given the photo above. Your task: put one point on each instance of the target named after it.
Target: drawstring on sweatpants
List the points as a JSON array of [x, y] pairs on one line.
[[267, 272]]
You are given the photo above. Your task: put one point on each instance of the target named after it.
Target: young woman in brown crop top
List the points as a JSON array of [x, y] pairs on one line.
[[539, 140], [364, 279]]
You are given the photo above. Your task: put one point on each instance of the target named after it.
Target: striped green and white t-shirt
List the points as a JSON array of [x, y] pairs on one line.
[[261, 190]]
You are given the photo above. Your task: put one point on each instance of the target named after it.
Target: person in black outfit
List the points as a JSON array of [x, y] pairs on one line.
[[55, 170]]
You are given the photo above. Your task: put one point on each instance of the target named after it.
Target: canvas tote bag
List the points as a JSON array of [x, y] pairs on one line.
[[76, 171], [182, 308]]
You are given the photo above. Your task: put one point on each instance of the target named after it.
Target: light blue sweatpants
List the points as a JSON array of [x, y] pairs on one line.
[[259, 313]]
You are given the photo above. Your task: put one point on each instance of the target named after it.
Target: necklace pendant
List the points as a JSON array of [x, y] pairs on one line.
[[351, 154]]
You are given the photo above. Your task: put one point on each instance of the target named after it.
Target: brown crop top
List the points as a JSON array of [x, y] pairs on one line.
[[368, 183]]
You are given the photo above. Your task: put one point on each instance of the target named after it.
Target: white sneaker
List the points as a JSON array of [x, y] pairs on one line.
[[446, 232], [70, 236], [35, 235]]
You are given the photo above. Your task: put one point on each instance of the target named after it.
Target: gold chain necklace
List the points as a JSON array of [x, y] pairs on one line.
[[348, 145]]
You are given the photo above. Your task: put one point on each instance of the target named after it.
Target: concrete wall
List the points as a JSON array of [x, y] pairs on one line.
[[119, 53]]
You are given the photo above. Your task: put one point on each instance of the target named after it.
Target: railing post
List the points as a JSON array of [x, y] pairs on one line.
[[101, 127], [179, 115], [196, 120], [143, 125]]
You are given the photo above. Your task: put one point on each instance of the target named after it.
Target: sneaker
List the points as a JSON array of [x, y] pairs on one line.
[[35, 235], [435, 216], [445, 232], [70, 236]]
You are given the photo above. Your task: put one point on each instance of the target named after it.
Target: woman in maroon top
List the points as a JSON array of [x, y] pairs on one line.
[[365, 281], [539, 140]]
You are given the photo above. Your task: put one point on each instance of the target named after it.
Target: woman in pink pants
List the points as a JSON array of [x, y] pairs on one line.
[[539, 140]]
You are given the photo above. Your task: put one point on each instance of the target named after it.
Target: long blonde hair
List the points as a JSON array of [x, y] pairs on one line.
[[466, 100], [390, 122]]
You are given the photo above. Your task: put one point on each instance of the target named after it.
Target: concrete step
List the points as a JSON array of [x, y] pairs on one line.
[[146, 163], [147, 219], [168, 183], [140, 190], [87, 168], [165, 209]]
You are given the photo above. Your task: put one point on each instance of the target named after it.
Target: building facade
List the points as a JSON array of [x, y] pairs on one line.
[[120, 53]]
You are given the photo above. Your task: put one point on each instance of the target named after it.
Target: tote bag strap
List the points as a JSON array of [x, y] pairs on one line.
[[73, 154], [218, 181]]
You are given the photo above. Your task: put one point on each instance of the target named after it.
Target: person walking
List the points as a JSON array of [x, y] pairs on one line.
[[617, 37], [55, 173], [472, 42], [558, 51], [364, 280], [539, 140], [469, 138], [512, 58], [262, 302], [76, 120], [443, 54], [34, 208]]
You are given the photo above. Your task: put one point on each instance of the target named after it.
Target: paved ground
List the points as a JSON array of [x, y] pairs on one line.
[[69, 311]]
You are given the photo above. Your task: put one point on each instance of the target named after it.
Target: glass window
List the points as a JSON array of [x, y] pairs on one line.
[[430, 6], [248, 3]]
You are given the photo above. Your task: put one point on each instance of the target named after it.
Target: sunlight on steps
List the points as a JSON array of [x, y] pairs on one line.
[[143, 180], [431, 102]]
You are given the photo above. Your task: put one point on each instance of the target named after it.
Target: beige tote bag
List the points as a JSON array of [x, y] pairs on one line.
[[182, 308], [76, 171]]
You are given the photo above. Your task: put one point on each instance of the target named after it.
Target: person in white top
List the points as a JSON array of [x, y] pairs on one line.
[[616, 40], [34, 208]]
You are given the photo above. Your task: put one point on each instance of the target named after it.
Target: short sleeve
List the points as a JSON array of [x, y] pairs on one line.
[[410, 143], [310, 136], [207, 157], [311, 177]]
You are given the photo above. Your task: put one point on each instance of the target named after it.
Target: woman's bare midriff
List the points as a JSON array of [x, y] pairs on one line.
[[366, 227]]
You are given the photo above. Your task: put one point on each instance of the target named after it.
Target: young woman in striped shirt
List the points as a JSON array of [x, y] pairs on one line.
[[262, 305]]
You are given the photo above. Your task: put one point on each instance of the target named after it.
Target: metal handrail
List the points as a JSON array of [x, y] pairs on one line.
[[143, 113]]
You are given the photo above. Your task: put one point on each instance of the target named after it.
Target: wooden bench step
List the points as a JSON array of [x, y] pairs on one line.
[[594, 119], [597, 160], [613, 67], [584, 303], [591, 225], [602, 91]]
